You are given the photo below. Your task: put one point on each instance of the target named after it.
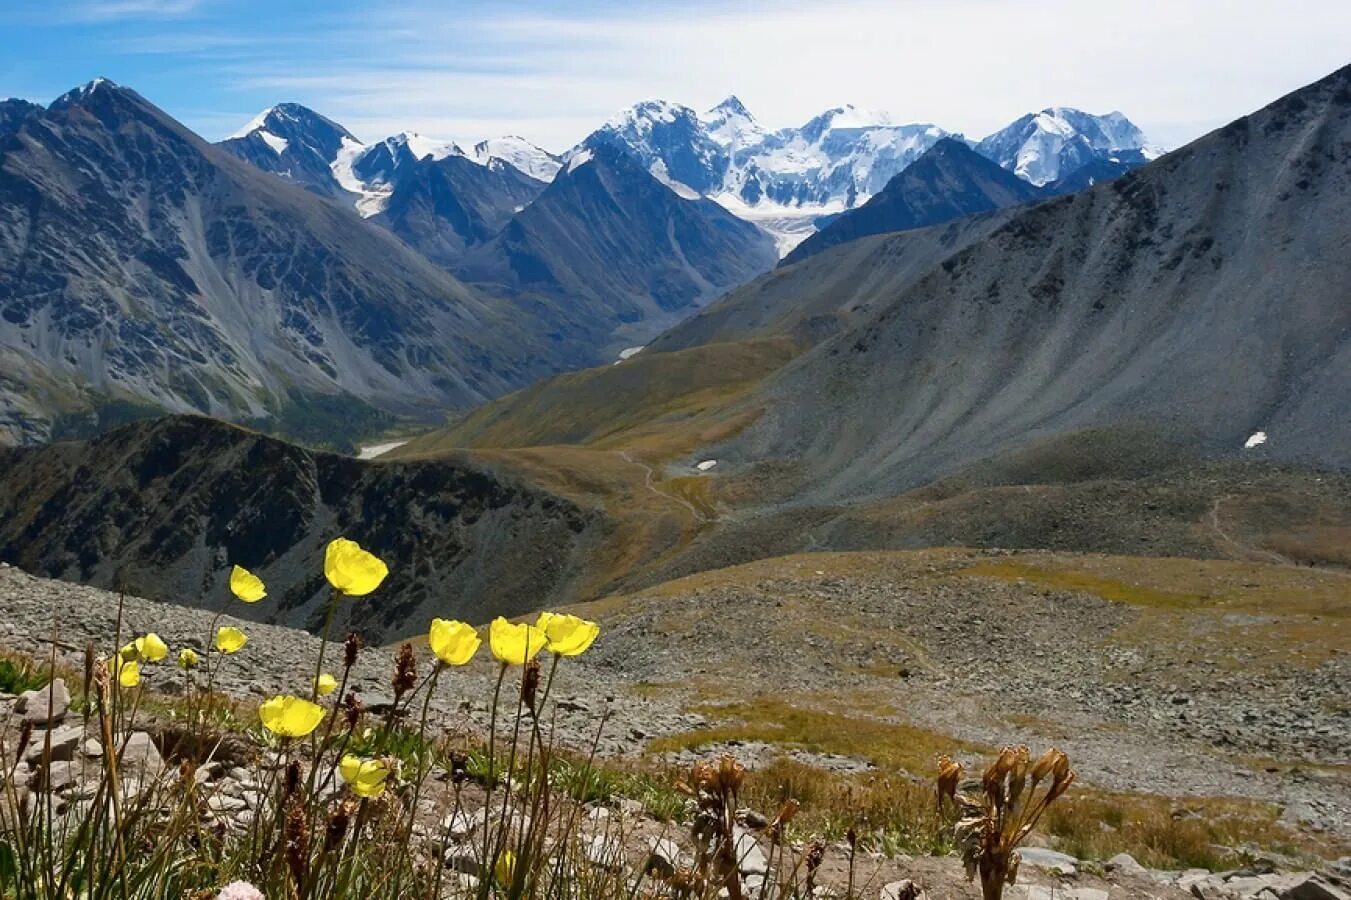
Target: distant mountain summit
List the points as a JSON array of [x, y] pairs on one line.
[[295, 142], [1049, 145], [949, 181], [613, 254]]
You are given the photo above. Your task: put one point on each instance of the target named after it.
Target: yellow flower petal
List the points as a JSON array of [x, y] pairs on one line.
[[150, 648], [325, 684], [505, 870], [454, 643], [187, 658], [366, 777], [230, 640], [568, 635], [246, 586], [128, 671], [351, 570], [288, 716], [515, 644]]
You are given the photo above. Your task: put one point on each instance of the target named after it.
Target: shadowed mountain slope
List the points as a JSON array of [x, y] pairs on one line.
[[1203, 296], [443, 207], [613, 256], [141, 266], [164, 508], [948, 182]]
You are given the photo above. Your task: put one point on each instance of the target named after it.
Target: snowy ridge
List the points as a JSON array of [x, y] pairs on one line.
[[519, 153]]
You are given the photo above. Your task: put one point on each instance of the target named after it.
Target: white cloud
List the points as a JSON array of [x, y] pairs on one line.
[[1177, 68], [112, 10]]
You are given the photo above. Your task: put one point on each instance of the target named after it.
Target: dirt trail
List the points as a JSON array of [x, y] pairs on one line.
[[649, 477]]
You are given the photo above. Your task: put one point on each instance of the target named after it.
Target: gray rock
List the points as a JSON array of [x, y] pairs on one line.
[[1308, 886], [1050, 860], [900, 890], [1127, 865], [605, 851], [750, 858], [47, 705], [140, 756], [57, 745], [663, 858]]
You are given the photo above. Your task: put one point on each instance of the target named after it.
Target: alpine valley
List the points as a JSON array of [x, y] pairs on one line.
[[857, 434]]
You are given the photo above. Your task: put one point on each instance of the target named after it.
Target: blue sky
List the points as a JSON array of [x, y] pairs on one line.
[[551, 71]]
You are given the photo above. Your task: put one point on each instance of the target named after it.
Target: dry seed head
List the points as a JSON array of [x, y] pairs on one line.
[[1042, 767], [730, 774], [1061, 768], [297, 835], [25, 734], [351, 646], [949, 774], [292, 782], [352, 709], [530, 685], [405, 670], [338, 823]]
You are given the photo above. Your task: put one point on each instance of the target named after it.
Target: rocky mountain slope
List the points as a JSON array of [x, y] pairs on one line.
[[948, 182], [141, 267], [442, 207], [160, 508], [613, 256], [294, 142], [1201, 296]]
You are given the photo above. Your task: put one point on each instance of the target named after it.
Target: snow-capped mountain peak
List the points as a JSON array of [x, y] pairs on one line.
[[731, 124], [1042, 147], [423, 147], [519, 153]]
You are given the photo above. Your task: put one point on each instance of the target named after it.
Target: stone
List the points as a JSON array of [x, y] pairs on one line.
[[57, 745], [47, 705], [140, 756], [663, 857], [1049, 860], [59, 776], [605, 851], [459, 825], [900, 890], [1126, 865], [1308, 886], [92, 748], [750, 858], [462, 858]]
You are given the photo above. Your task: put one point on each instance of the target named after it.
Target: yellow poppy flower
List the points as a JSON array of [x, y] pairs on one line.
[[366, 777], [187, 659], [291, 717], [129, 652], [568, 635], [150, 648], [515, 644], [246, 586], [128, 671], [230, 640], [325, 684], [506, 868], [454, 643], [351, 570]]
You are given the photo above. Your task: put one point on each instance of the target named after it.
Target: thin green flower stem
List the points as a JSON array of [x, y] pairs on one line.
[[485, 883], [323, 644], [421, 769]]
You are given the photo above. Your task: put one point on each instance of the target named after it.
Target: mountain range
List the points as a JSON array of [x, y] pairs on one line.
[[783, 180], [1086, 371]]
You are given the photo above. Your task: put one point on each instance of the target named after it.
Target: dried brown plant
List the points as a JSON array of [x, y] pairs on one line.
[[999, 814]]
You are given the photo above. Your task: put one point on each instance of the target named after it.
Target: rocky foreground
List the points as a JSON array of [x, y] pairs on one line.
[[934, 654]]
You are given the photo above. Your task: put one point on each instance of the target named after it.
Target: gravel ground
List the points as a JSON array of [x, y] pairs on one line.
[[983, 660]]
